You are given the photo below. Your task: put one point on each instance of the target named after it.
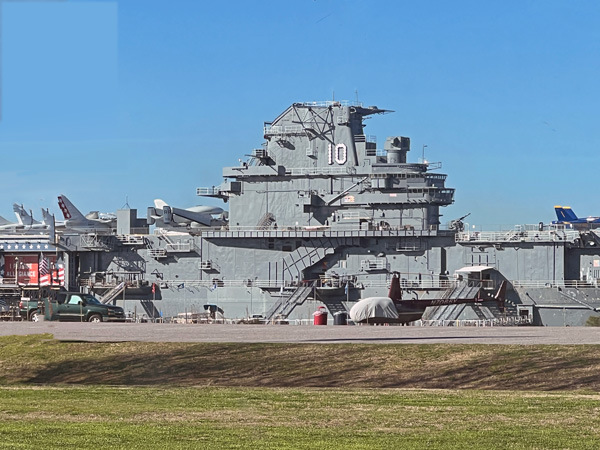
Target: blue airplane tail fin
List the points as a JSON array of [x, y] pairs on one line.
[[565, 214]]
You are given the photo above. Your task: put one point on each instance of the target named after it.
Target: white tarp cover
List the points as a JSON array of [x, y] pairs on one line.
[[373, 307]]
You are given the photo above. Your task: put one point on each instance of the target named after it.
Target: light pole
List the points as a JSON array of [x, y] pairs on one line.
[[17, 270]]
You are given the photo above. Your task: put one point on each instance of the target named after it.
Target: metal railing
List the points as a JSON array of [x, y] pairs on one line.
[[179, 247], [213, 283], [328, 282], [300, 171], [283, 129], [551, 284], [157, 253], [111, 279], [326, 103], [130, 239], [405, 283], [427, 284], [407, 230], [496, 322], [215, 190], [365, 138], [517, 236]]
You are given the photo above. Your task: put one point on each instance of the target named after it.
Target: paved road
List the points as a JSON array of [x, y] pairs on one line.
[[147, 332]]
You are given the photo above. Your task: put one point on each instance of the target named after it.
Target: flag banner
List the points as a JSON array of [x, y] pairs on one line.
[[44, 266], [45, 280]]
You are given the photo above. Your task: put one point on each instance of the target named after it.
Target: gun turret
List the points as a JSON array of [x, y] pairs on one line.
[[458, 224]]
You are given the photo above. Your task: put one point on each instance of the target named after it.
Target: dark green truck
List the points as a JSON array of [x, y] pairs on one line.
[[71, 307]]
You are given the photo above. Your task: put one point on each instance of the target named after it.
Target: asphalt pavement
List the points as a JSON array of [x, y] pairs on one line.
[[162, 332]]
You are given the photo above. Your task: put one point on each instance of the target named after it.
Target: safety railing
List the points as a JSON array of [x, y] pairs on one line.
[[283, 129], [179, 247], [517, 236], [215, 190], [326, 103], [315, 171], [130, 239], [551, 284], [325, 282], [497, 322], [407, 230]]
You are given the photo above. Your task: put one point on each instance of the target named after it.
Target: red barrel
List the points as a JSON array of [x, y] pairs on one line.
[[320, 316]]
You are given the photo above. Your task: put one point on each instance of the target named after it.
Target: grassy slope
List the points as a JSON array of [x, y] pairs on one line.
[[79, 395], [40, 359]]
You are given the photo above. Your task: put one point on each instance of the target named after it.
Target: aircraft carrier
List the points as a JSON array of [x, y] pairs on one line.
[[319, 215]]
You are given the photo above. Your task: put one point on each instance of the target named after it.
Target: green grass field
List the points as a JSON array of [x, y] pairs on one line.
[[137, 395], [215, 417]]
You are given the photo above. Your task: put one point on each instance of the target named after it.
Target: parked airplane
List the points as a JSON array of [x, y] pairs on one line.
[[48, 218], [26, 219], [566, 216], [75, 219], [7, 224], [197, 216]]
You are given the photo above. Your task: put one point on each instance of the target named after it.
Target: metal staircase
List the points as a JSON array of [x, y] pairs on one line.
[[481, 312], [485, 311], [304, 257], [150, 309], [285, 305], [446, 312], [462, 290], [266, 221], [113, 293]]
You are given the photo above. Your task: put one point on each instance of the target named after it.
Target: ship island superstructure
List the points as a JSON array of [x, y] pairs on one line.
[[319, 215]]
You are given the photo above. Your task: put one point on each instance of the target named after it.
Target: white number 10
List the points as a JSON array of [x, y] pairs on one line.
[[340, 155]]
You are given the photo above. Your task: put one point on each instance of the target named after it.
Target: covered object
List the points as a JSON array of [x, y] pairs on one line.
[[374, 310]]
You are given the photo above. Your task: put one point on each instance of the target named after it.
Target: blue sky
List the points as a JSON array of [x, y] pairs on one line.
[[133, 100]]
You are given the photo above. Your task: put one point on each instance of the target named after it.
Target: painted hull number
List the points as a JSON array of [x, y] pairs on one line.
[[339, 154]]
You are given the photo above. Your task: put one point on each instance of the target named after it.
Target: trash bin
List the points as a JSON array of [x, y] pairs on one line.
[[320, 316], [340, 318]]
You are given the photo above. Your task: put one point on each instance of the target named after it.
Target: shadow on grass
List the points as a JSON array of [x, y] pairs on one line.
[[433, 366]]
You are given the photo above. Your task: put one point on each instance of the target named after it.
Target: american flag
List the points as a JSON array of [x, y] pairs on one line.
[[44, 272], [43, 266]]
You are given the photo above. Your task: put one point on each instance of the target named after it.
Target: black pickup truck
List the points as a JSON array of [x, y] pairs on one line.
[[71, 307]]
